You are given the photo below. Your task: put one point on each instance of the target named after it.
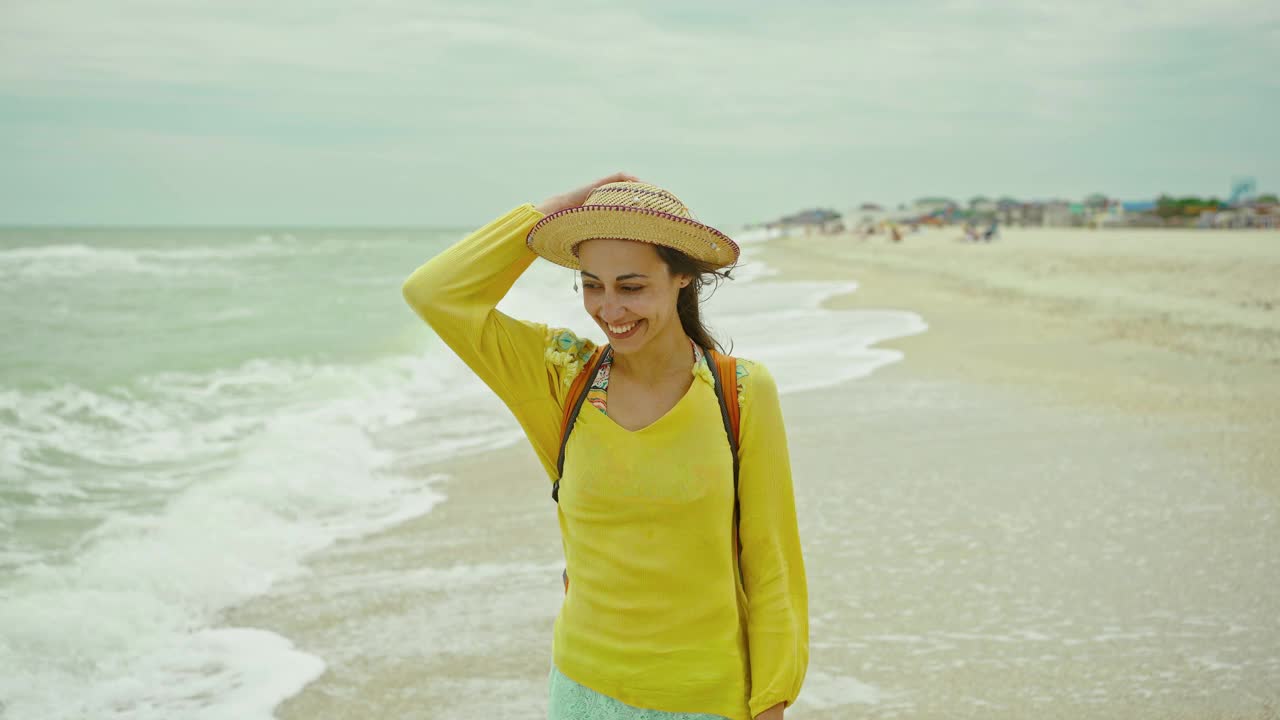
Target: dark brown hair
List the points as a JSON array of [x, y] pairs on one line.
[[688, 303]]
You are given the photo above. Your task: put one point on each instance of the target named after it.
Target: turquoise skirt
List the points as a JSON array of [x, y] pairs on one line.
[[571, 701]]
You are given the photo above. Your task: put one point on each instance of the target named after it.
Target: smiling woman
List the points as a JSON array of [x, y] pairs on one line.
[[690, 275], [630, 302], [649, 312], [688, 596]]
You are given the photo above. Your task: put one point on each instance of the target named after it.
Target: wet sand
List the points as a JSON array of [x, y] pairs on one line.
[[1063, 503]]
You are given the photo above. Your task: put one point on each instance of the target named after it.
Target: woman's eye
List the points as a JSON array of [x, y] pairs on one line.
[[631, 288]]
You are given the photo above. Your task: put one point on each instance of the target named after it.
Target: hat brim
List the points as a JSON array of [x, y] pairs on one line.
[[556, 237]]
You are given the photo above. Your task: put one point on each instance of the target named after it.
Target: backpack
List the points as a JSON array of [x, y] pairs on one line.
[[722, 366]]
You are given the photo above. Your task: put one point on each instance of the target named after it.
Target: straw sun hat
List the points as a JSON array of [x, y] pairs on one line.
[[629, 211]]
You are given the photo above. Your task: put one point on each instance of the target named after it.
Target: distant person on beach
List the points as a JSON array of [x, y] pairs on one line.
[[685, 589]]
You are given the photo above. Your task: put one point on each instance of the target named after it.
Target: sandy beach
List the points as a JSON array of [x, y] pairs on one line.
[[242, 478], [1064, 502]]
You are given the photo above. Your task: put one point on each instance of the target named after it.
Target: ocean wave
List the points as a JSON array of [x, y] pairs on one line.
[[206, 489], [72, 260], [195, 491]]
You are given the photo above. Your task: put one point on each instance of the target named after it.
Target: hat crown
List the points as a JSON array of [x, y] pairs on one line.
[[629, 210], [638, 195]]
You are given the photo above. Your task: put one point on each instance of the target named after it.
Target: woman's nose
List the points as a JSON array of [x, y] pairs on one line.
[[613, 311]]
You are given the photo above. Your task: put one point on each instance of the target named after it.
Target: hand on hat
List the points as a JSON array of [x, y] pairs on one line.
[[576, 197]]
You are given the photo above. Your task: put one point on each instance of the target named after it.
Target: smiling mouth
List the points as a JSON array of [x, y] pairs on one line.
[[623, 331]]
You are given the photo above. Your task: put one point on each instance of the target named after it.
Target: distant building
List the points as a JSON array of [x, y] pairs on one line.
[[1142, 206], [1140, 213], [936, 207], [1024, 214], [1060, 213], [1095, 211], [868, 216], [1248, 215], [821, 220], [982, 207], [1010, 211]]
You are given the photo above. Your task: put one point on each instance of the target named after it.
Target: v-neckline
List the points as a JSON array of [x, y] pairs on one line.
[[660, 418], [688, 391]]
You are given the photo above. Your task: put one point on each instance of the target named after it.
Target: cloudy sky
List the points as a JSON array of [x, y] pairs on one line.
[[421, 112]]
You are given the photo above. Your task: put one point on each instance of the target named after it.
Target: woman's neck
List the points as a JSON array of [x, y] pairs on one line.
[[658, 360]]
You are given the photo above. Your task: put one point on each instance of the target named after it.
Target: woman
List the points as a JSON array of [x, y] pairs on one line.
[[661, 617]]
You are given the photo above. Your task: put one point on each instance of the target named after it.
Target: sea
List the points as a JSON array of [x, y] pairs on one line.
[[188, 414]]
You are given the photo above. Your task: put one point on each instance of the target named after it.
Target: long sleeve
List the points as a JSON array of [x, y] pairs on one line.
[[457, 292], [772, 564]]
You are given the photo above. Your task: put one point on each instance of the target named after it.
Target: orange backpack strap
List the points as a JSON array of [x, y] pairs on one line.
[[728, 367], [572, 404], [725, 371]]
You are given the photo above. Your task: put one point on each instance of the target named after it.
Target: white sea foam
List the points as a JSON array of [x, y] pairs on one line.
[[293, 462], [204, 489], [72, 260], [824, 691]]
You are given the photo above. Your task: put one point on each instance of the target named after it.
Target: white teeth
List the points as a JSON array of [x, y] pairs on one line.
[[621, 329]]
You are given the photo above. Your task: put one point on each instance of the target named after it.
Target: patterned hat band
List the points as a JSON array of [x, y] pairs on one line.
[[630, 211]]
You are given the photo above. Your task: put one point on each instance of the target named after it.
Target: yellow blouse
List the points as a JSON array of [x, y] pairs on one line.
[[655, 615]]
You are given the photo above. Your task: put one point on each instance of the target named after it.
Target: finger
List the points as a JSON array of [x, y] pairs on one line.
[[618, 177]]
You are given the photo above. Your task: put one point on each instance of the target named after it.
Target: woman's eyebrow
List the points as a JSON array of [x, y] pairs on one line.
[[628, 276]]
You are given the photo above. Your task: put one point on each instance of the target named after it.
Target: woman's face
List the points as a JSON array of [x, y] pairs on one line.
[[629, 291]]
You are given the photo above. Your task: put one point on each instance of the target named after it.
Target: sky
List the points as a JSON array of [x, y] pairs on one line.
[[418, 112]]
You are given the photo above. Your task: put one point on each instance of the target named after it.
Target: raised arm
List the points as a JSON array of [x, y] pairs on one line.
[[457, 293]]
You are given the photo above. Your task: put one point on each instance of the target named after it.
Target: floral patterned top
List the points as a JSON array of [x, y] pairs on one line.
[[598, 393]]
